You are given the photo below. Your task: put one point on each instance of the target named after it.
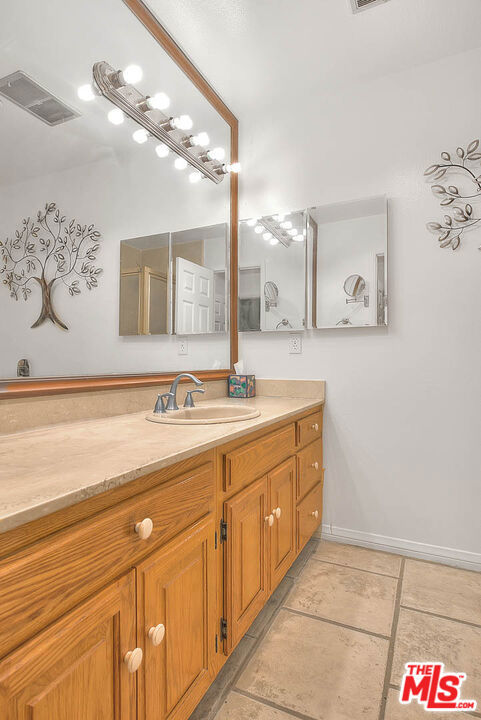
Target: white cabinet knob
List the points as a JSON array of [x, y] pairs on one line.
[[315, 465], [156, 634], [144, 528], [133, 659], [277, 512], [270, 520], [315, 514], [315, 427]]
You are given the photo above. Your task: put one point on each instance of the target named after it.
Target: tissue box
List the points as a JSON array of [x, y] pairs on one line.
[[242, 386]]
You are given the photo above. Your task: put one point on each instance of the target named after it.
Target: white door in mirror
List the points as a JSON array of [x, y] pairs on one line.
[[194, 298]]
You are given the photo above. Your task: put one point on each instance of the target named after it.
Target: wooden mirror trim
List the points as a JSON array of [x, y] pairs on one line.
[[54, 386]]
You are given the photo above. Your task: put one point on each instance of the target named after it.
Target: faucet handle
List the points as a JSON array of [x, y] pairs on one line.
[[189, 400], [160, 408]]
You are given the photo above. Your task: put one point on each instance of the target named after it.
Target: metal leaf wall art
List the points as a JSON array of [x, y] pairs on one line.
[[50, 250], [458, 198]]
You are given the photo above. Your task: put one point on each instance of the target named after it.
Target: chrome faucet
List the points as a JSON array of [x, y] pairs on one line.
[[172, 395]]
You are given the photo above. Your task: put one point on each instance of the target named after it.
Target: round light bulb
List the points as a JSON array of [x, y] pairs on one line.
[[132, 74], [298, 238], [258, 229], [217, 153], [183, 122], [195, 176], [267, 235], [180, 163], [116, 116], [162, 150], [292, 232], [234, 168], [201, 139], [273, 241], [86, 92], [140, 136], [286, 224], [251, 222], [304, 232], [159, 101]]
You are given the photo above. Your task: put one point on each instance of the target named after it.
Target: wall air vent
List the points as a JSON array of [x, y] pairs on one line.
[[358, 5], [29, 95]]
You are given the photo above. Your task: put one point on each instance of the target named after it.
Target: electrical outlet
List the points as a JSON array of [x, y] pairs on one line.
[[182, 346], [295, 344]]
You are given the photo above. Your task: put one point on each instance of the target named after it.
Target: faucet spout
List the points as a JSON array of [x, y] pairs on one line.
[[172, 401]]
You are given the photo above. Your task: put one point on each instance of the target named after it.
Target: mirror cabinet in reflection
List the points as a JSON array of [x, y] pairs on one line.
[[108, 149], [272, 272], [348, 262]]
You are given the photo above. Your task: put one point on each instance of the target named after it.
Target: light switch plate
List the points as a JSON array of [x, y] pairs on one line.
[[295, 344], [182, 346]]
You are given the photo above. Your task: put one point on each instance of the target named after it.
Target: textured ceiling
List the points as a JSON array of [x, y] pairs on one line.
[[257, 51]]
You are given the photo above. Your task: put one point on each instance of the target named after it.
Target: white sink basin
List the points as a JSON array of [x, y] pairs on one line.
[[205, 415]]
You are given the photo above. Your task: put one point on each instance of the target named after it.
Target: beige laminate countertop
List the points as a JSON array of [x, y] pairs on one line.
[[52, 468]]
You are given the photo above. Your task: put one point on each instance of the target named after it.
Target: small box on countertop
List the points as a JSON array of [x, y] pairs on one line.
[[242, 386]]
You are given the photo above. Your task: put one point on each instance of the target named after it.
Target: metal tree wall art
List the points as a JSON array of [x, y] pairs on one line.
[[459, 199], [47, 251]]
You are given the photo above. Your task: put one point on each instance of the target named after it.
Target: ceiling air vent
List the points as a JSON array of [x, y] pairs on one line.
[[29, 95], [358, 5]]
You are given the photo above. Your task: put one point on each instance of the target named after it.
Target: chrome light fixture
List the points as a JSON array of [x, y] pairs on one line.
[[118, 87]]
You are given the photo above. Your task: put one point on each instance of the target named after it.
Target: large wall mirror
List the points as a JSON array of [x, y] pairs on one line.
[[112, 241], [323, 267]]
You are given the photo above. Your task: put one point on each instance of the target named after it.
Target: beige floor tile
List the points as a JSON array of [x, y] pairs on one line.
[[322, 670], [238, 707], [346, 595], [414, 711], [443, 590], [358, 557], [425, 638]]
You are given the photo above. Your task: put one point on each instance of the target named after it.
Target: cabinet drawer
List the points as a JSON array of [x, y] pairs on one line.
[[309, 516], [40, 583], [309, 468], [256, 458], [309, 429]]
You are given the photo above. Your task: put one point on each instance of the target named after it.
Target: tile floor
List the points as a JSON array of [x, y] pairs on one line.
[[332, 641]]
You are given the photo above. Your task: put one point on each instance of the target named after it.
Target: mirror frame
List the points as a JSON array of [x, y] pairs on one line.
[[30, 387]]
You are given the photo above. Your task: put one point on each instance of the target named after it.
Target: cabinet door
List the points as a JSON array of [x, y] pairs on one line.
[[282, 489], [177, 600], [75, 669], [246, 558]]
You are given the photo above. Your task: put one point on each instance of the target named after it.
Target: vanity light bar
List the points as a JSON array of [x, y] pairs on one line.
[[111, 84], [274, 228]]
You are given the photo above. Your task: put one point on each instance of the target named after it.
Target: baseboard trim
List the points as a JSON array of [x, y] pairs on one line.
[[434, 553]]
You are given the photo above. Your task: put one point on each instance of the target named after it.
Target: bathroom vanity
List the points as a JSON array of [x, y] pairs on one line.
[[135, 556]]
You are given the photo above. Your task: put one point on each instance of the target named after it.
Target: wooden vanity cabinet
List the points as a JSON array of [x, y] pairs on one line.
[[119, 607], [76, 669], [282, 551], [177, 624], [261, 545], [246, 578]]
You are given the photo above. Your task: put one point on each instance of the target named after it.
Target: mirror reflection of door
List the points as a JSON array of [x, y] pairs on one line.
[[194, 298], [199, 279]]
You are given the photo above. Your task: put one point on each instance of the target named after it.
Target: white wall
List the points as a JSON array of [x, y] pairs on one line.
[[402, 419]]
